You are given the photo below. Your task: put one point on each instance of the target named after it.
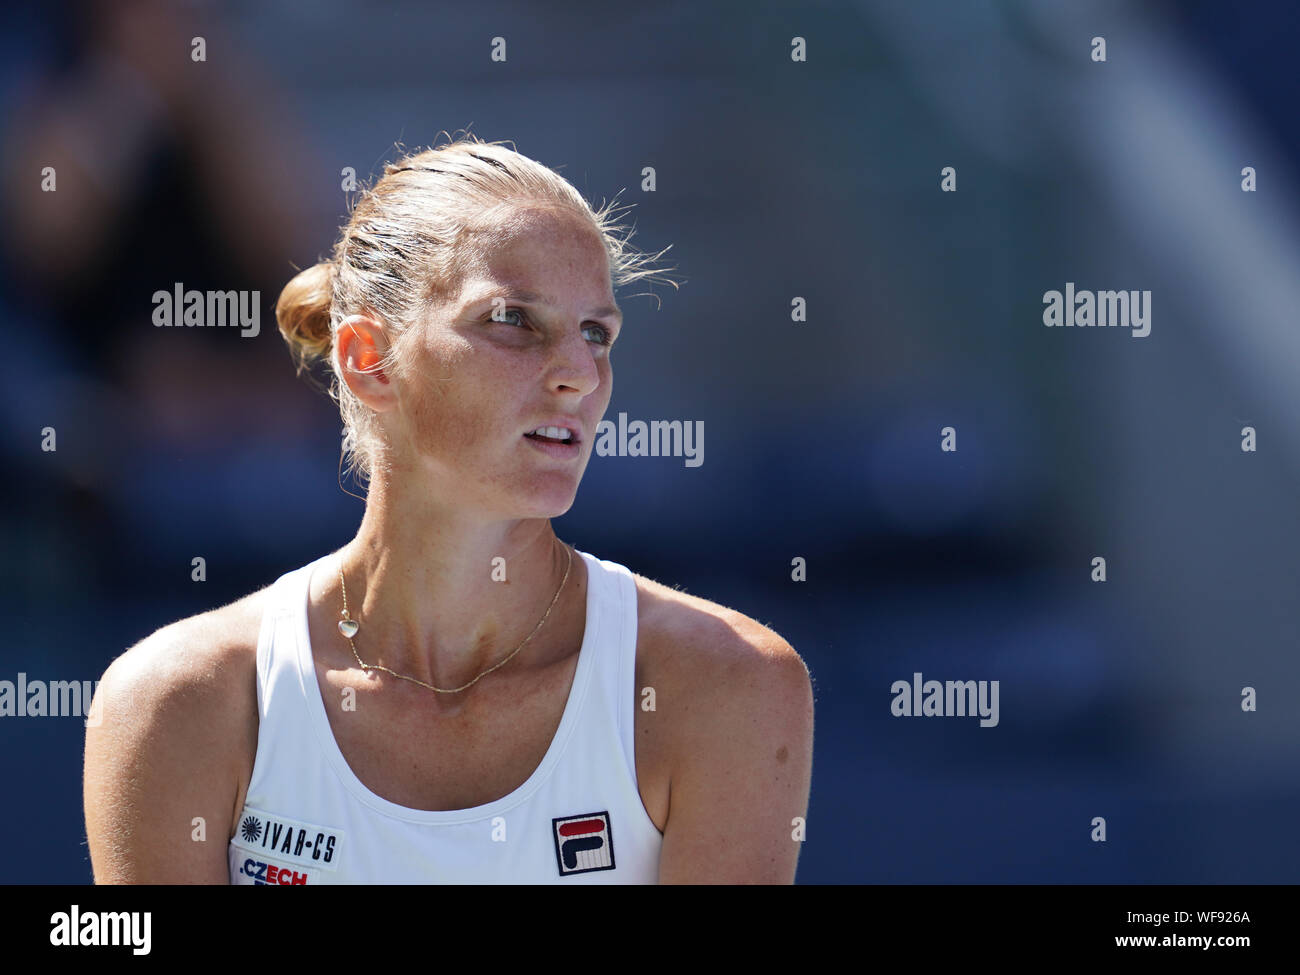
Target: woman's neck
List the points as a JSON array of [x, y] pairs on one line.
[[442, 598]]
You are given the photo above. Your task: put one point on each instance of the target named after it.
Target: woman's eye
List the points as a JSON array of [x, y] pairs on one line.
[[516, 317], [602, 333]]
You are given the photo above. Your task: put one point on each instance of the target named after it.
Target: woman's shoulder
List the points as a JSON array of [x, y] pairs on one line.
[[201, 662], [170, 737], [731, 737], [691, 640]]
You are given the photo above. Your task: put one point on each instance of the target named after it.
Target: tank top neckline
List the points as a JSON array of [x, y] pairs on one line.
[[319, 720]]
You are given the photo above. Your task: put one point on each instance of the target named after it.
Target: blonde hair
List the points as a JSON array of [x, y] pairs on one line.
[[401, 248]]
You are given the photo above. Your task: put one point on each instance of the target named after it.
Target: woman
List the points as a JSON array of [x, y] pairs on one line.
[[456, 695]]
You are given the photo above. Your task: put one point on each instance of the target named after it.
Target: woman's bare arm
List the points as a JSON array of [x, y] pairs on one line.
[[741, 703], [174, 719]]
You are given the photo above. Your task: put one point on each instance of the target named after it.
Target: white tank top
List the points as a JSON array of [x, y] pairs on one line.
[[307, 819]]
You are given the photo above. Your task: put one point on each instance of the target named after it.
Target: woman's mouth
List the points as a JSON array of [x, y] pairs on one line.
[[553, 435], [559, 442]]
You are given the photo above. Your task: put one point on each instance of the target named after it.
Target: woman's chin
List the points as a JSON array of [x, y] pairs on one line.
[[546, 497], [555, 510]]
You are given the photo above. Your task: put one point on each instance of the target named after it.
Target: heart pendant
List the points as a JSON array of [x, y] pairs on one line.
[[349, 628]]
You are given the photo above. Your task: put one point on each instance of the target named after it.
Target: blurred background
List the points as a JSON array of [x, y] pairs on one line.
[[775, 179]]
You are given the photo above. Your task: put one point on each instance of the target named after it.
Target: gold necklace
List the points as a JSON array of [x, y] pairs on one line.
[[349, 627]]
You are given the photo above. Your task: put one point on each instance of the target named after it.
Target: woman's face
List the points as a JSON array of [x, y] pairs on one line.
[[478, 387]]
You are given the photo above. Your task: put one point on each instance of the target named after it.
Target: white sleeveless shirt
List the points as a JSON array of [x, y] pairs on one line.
[[308, 819]]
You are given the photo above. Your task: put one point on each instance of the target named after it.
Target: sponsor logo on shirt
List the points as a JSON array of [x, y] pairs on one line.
[[583, 843], [291, 840], [262, 873]]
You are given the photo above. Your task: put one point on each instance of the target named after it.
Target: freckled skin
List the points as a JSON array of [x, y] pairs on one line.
[[782, 754], [475, 384]]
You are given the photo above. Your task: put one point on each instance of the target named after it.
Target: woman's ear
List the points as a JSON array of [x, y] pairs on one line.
[[360, 348]]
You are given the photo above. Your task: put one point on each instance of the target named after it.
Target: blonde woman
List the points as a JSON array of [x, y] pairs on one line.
[[456, 695]]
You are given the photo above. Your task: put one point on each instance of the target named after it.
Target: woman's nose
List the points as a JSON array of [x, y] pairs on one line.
[[574, 364]]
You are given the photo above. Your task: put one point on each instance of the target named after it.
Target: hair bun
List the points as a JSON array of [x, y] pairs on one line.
[[303, 313]]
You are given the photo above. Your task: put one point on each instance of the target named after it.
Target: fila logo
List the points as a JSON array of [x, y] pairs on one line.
[[583, 843]]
